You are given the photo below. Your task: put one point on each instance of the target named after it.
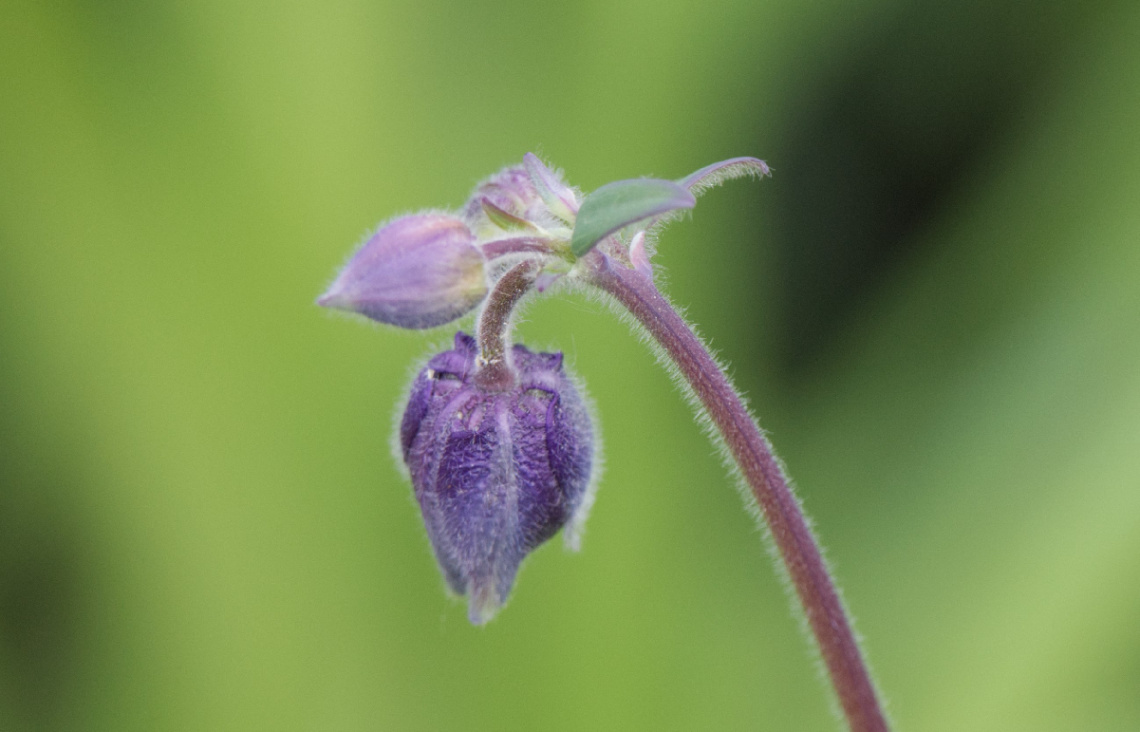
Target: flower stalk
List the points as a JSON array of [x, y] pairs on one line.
[[634, 290], [494, 372]]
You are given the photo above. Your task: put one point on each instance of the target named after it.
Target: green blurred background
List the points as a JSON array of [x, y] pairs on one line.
[[933, 306]]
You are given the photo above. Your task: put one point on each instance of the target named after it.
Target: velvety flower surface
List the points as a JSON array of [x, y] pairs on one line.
[[417, 271], [496, 474]]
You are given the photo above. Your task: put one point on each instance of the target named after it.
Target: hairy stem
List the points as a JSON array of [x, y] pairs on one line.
[[495, 372], [522, 244], [793, 538]]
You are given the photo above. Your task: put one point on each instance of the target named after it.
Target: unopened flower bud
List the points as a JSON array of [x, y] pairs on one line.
[[418, 271], [509, 190], [496, 474], [531, 192]]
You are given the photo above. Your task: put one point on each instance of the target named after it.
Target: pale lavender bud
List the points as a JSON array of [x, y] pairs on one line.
[[496, 474], [418, 271], [510, 190], [530, 192]]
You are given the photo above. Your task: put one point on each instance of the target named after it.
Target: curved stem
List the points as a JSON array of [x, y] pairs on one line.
[[494, 372], [516, 245], [798, 548]]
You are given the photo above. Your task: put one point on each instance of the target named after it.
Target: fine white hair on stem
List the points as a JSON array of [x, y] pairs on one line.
[[705, 420]]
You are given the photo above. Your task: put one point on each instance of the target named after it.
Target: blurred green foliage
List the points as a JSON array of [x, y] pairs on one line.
[[933, 305]]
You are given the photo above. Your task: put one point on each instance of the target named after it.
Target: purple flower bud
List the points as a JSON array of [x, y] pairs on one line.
[[531, 192], [496, 474], [418, 271], [510, 190]]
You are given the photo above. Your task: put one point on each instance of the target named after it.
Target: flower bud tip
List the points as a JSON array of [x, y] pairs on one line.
[[484, 604], [416, 272]]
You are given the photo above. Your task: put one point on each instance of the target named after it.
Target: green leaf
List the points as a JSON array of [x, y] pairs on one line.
[[616, 205], [717, 173]]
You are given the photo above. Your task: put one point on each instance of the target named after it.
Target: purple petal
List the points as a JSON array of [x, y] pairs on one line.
[[496, 474], [416, 272]]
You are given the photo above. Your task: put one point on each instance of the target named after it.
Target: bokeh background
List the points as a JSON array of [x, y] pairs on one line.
[[933, 305]]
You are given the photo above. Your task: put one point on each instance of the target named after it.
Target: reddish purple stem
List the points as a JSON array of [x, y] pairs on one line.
[[752, 453], [494, 368], [515, 245]]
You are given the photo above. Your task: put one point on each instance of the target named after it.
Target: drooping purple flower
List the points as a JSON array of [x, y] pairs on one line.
[[417, 271], [496, 474]]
